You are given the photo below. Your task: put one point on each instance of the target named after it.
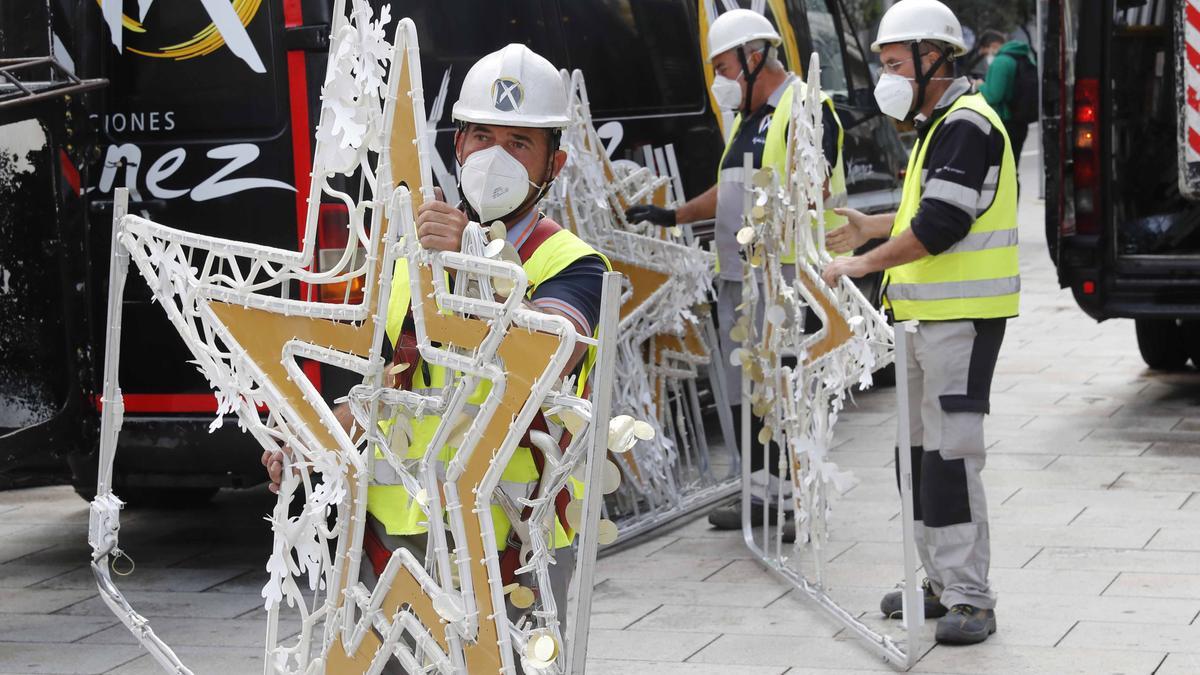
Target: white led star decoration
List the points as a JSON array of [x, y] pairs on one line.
[[799, 404], [665, 332], [232, 304]]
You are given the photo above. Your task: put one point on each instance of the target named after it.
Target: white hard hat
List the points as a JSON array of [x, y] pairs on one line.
[[513, 87], [915, 20], [737, 27]]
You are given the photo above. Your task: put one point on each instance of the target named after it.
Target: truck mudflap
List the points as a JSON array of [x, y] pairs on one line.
[[1187, 86]]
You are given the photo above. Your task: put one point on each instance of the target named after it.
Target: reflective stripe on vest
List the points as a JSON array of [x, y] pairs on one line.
[[391, 504], [775, 155], [978, 277]]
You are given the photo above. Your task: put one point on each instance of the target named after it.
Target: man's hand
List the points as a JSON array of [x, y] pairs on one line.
[[273, 461], [649, 212], [440, 226], [852, 266], [849, 236]]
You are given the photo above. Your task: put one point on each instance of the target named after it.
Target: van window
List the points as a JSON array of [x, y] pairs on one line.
[[637, 56], [827, 43]]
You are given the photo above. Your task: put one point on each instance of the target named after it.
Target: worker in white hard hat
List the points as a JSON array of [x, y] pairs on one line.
[[743, 48], [950, 264], [510, 114]]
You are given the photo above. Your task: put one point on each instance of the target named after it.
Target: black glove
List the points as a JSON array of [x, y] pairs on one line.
[[655, 214]]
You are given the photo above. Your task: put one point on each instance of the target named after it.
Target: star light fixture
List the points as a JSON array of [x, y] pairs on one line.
[[797, 381], [665, 331], [232, 304]]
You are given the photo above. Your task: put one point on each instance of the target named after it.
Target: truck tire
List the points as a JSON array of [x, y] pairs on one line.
[[1191, 340], [1162, 344]]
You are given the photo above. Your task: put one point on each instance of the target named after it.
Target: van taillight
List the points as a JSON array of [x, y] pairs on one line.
[[333, 235], [1088, 122]]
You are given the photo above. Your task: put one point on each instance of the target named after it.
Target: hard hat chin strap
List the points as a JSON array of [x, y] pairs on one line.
[[751, 76], [923, 78]]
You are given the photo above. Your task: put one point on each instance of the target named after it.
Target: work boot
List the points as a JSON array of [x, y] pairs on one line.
[[728, 516], [966, 625], [892, 605]]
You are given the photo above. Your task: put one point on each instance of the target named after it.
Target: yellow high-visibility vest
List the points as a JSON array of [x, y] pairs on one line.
[[391, 504], [775, 155], [977, 278]]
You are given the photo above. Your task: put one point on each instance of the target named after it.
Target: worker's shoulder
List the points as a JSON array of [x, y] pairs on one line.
[[548, 231], [967, 119]]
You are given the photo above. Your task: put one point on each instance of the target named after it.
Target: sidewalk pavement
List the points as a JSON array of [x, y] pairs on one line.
[[1092, 479]]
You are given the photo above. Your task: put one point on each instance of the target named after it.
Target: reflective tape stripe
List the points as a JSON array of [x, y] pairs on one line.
[[949, 290], [982, 241], [954, 194]]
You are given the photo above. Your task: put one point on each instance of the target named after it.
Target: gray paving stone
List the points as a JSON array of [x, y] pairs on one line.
[[1026, 660], [1034, 514], [16, 550], [1179, 664], [652, 568], [1181, 482], [1134, 637], [874, 553], [1074, 535], [1148, 463], [1122, 499], [19, 575], [1120, 560], [608, 667], [200, 660], [1056, 582], [645, 645], [1066, 446], [773, 650], [615, 611], [1177, 539], [39, 601], [1173, 519], [149, 579], [1145, 585], [773, 620], [700, 594], [50, 628], [1100, 608], [193, 632], [1002, 480], [176, 604], [64, 659]]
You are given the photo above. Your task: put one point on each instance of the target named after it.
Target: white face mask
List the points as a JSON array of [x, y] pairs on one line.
[[494, 183], [894, 94], [727, 93], [990, 58]]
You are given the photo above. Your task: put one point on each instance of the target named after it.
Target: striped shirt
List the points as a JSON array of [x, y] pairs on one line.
[[962, 169], [575, 290]]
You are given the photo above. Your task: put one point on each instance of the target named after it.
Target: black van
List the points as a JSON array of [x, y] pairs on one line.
[[1122, 218], [213, 132]]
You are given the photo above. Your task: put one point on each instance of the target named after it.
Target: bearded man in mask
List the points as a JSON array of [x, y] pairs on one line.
[[951, 265], [510, 115], [750, 79]]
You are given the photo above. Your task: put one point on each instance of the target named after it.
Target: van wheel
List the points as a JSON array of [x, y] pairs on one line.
[[1162, 344], [1191, 340]]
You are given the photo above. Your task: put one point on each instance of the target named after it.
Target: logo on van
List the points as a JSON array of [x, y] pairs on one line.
[[226, 28], [507, 94]]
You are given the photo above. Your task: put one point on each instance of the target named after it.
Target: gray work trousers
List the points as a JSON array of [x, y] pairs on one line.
[[950, 367], [560, 580]]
